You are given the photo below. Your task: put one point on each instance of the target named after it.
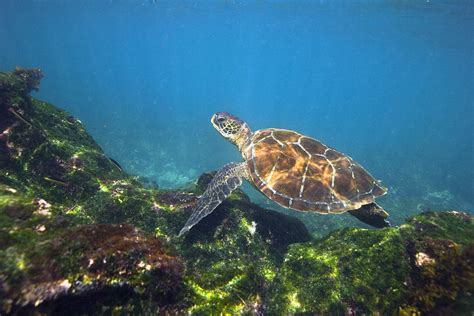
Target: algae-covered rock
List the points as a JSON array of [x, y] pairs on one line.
[[440, 246], [350, 269], [45, 261], [56, 188], [233, 258], [422, 266], [48, 153]]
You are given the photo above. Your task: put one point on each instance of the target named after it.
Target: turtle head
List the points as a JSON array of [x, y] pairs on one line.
[[231, 127]]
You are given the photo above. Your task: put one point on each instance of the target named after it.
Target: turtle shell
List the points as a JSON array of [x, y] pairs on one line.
[[301, 173]]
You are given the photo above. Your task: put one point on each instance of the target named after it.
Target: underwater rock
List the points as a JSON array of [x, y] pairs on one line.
[[424, 266], [49, 265], [21, 80], [59, 162], [56, 187], [440, 246], [92, 267]]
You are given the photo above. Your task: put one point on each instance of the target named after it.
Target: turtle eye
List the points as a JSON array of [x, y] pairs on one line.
[[220, 119]]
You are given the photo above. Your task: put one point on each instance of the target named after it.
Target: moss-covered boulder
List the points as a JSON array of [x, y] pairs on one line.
[[66, 216], [440, 247], [422, 266], [51, 265]]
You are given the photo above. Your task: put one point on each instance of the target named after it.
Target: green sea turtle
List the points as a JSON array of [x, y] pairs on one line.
[[295, 171]]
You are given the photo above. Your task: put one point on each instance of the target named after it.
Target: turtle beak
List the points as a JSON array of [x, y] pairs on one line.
[[213, 120]]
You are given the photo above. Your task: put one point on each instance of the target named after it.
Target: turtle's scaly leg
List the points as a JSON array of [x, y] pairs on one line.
[[226, 180]]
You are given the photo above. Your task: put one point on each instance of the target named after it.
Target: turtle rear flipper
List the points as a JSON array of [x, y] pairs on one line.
[[226, 180], [372, 214]]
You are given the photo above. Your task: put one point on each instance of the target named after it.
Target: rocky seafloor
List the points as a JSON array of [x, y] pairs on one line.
[[78, 235]]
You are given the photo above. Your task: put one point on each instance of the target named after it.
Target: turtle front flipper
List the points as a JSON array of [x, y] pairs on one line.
[[226, 180], [372, 214]]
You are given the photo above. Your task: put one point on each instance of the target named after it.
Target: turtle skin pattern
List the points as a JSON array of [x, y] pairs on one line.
[[301, 173]]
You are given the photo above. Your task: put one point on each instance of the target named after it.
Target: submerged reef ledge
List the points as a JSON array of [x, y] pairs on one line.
[[79, 235]]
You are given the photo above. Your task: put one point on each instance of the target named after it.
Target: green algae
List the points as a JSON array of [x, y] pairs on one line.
[[229, 268], [376, 271], [441, 249], [44, 258], [345, 269]]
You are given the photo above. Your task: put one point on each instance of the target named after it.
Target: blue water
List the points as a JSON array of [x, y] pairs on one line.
[[389, 83]]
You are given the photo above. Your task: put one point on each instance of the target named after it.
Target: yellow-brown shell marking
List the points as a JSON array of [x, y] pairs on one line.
[[301, 173]]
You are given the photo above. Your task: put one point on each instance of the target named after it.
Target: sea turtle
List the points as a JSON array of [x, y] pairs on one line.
[[295, 171]]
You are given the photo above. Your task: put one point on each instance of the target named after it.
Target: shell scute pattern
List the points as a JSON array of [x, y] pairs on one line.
[[302, 173], [271, 151], [315, 148], [344, 182], [285, 136]]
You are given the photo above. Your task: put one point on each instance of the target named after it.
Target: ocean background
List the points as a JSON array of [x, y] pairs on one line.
[[390, 83]]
